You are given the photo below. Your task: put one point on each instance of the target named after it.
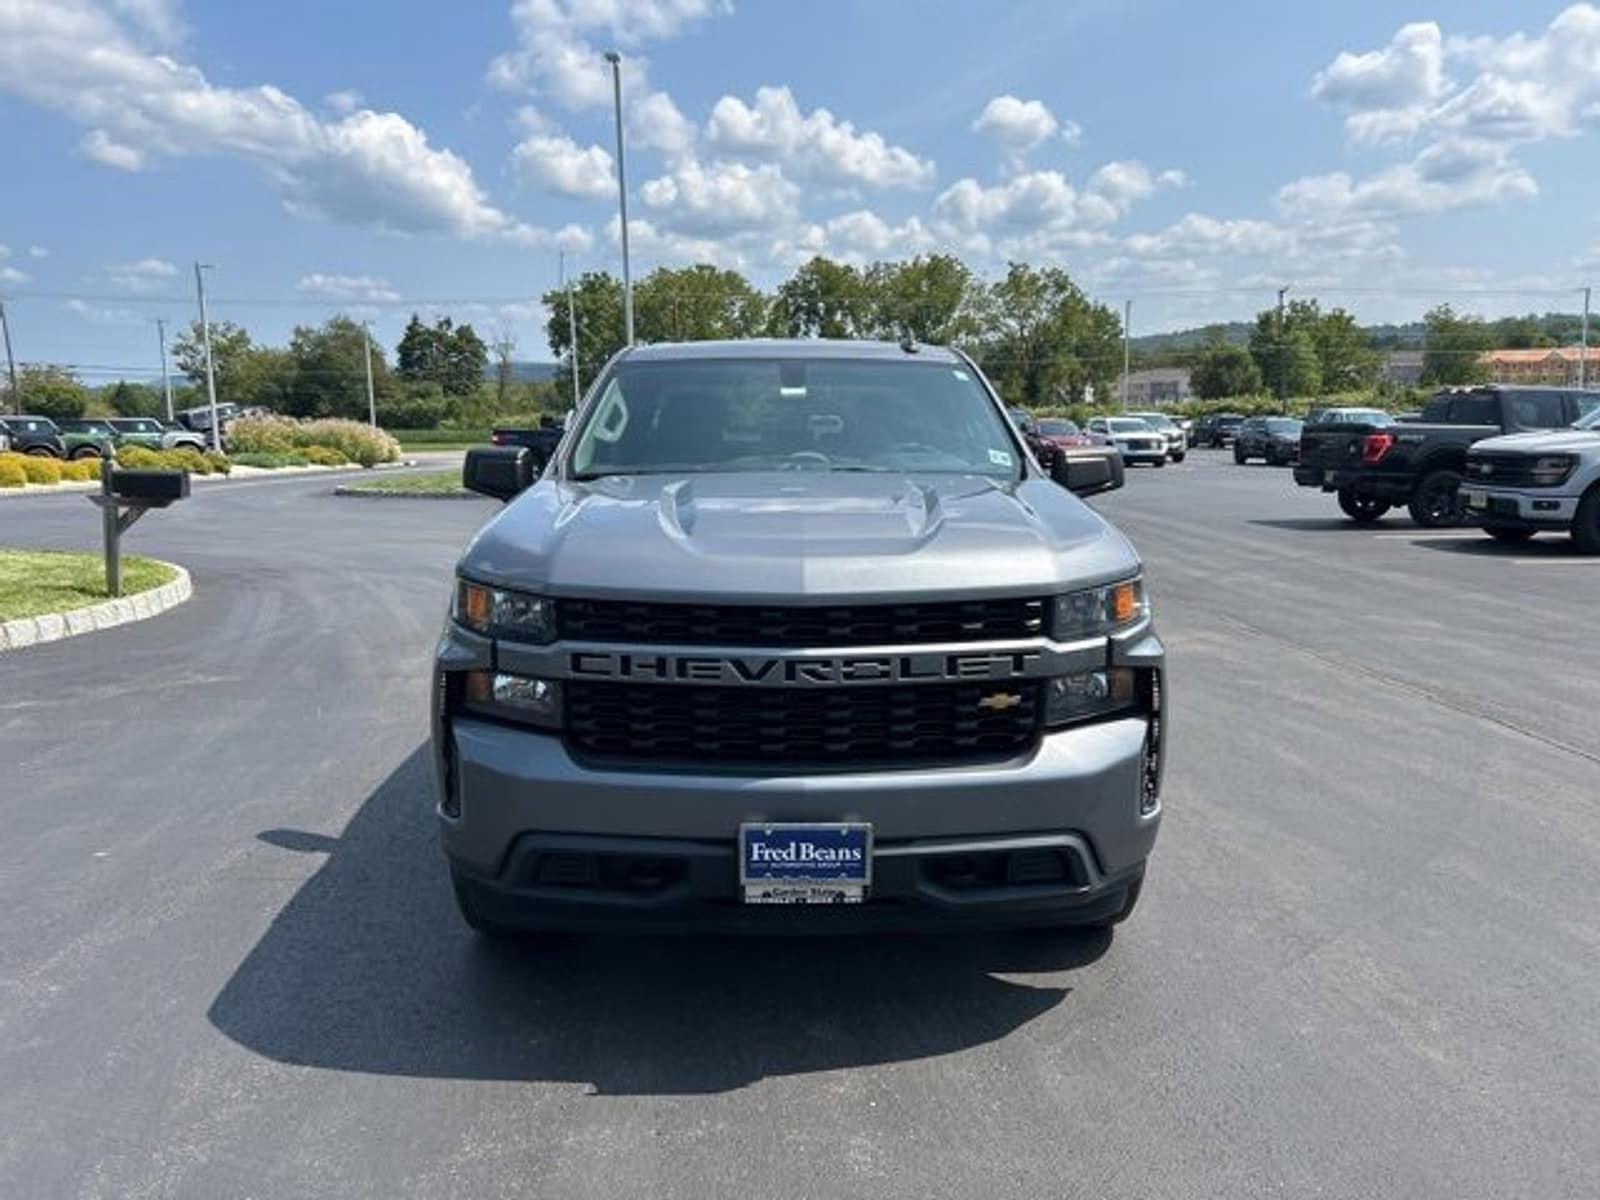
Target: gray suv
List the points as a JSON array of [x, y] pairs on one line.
[[794, 636]]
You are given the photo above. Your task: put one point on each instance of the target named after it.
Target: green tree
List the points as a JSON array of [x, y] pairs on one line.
[[934, 298], [230, 350], [126, 399], [822, 299], [1344, 361], [1044, 342], [51, 391], [1453, 347], [329, 377], [1221, 370], [451, 355], [696, 304], [1285, 349], [597, 303], [1523, 333]]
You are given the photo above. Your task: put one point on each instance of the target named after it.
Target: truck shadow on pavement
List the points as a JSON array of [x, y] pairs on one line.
[[368, 968]]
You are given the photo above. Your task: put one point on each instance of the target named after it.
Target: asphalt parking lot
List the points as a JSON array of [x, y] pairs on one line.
[[1367, 962]]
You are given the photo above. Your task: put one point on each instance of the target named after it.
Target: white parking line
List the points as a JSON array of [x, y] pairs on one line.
[[1556, 562], [1455, 535]]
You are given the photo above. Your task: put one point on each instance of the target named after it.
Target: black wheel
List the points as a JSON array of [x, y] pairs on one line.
[[1365, 510], [40, 452], [86, 452], [469, 900], [1510, 534], [1586, 525], [1436, 504], [1180, 456], [1160, 462], [1239, 455]]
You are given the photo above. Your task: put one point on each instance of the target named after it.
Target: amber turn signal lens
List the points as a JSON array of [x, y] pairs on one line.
[[1125, 604]]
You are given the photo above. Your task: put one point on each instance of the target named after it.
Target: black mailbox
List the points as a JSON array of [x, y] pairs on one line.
[[150, 488], [498, 471]]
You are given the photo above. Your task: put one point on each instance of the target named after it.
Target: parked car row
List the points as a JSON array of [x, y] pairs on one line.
[[92, 437]]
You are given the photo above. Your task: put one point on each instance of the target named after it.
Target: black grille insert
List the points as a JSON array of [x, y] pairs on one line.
[[791, 626], [1510, 470], [832, 726]]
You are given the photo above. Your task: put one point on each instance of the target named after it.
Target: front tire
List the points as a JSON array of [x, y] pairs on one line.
[[85, 452], [1363, 510], [1180, 456], [1436, 503], [1239, 456], [1586, 525]]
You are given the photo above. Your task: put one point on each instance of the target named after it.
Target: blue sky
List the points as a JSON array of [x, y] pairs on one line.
[[376, 157]]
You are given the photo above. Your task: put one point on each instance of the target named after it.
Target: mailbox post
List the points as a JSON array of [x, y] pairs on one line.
[[124, 497]]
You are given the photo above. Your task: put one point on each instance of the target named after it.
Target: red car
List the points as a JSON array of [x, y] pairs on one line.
[[1059, 431]]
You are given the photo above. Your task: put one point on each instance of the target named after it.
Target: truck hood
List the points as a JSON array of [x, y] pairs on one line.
[[1550, 441], [792, 536]]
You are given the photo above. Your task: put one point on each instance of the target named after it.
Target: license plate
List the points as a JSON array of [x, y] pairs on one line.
[[1328, 476], [1475, 499], [825, 863]]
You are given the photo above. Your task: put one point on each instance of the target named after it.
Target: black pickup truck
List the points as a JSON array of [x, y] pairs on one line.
[[541, 439], [1374, 466]]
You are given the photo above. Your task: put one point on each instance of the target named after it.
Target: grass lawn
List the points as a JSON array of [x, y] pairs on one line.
[[412, 483], [33, 582], [441, 439]]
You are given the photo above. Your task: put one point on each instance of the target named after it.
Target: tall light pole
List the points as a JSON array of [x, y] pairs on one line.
[[615, 60], [572, 328], [1283, 350], [166, 379], [205, 338], [366, 361], [1127, 321], [1583, 353], [11, 363]]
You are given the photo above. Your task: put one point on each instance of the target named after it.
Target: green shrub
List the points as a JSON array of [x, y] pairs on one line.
[[270, 460], [12, 474], [324, 456], [266, 433], [184, 458], [81, 470], [40, 469]]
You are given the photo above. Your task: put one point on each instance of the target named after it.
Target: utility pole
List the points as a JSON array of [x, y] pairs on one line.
[[572, 328], [1283, 351], [1127, 320], [166, 379], [366, 361], [11, 363], [205, 338], [1583, 354], [615, 60]]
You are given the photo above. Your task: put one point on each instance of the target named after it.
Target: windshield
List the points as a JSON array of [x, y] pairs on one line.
[[1056, 427], [1283, 425], [1157, 421], [801, 414], [1358, 416], [1128, 425], [1591, 421]]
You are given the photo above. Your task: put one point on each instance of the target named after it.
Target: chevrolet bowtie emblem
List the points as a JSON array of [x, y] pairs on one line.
[[1000, 701]]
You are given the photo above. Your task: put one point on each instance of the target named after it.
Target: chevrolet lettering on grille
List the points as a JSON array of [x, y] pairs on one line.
[[800, 672]]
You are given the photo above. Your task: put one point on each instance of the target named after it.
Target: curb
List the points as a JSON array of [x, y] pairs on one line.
[[52, 627], [240, 473], [397, 494]]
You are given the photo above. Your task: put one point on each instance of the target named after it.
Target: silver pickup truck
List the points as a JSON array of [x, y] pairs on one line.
[[1527, 482], [795, 636]]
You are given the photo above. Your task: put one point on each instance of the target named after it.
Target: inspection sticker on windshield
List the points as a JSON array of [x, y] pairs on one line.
[[805, 863], [1000, 458]]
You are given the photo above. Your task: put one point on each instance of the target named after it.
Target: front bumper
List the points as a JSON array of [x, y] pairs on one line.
[[549, 841], [1534, 508], [1143, 453]]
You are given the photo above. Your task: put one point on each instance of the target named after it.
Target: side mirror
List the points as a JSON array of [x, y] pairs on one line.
[[1088, 474], [498, 471]]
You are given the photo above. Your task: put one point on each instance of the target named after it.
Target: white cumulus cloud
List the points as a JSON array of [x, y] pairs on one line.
[[1018, 124], [556, 163], [371, 169], [811, 147], [141, 275], [721, 197], [368, 288]]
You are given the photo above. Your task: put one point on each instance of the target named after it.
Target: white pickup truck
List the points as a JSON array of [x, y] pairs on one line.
[[1523, 483]]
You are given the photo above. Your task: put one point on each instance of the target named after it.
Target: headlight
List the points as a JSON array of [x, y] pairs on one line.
[[1096, 612], [1552, 469], [1071, 698], [494, 612], [513, 698]]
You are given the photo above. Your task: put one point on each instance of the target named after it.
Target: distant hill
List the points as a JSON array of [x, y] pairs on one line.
[[531, 372], [1190, 339]]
